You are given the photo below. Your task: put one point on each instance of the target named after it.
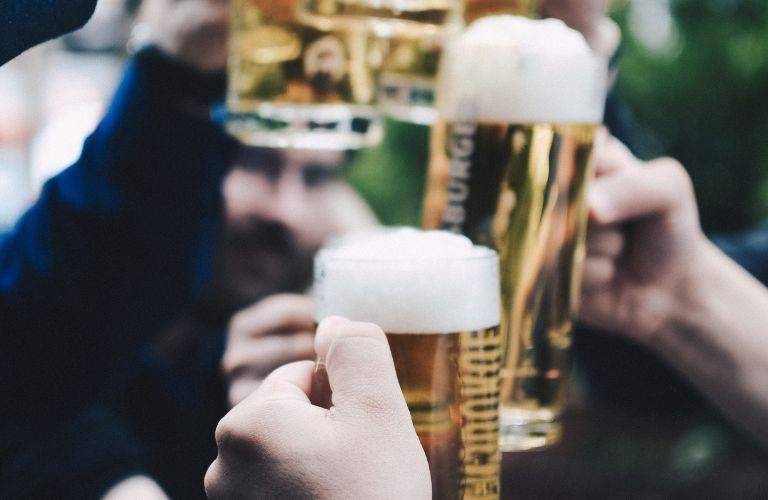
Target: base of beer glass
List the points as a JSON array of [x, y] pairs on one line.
[[419, 115], [524, 430], [306, 126]]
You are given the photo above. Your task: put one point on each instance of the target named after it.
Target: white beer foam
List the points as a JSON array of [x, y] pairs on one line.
[[409, 281], [512, 69]]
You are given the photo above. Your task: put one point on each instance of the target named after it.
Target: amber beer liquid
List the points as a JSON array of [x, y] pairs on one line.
[[450, 382], [443, 334], [295, 85], [509, 165]]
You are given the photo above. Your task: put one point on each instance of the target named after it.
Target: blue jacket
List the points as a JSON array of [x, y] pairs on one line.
[[116, 245]]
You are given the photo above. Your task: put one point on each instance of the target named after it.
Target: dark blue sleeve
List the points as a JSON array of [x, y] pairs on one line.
[[29, 22], [749, 249], [116, 245], [74, 459]]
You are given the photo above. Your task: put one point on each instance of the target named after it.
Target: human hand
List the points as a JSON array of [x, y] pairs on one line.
[[581, 15], [589, 18], [192, 31], [644, 243], [277, 444], [268, 334]]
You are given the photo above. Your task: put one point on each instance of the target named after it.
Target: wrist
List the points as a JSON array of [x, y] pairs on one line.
[[693, 300]]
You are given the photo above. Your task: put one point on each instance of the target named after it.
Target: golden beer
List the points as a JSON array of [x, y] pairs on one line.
[[293, 85], [520, 189], [385, 18], [440, 311], [509, 164]]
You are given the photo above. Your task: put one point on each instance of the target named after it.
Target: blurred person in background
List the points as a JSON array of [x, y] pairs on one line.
[[114, 248], [123, 242]]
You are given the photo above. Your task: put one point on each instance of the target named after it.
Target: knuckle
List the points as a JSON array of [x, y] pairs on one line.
[[224, 434], [212, 481], [232, 439], [230, 363], [678, 174], [238, 323]]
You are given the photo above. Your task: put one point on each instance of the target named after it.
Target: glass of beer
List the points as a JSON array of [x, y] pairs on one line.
[[296, 85], [409, 71], [436, 296], [385, 18], [519, 102]]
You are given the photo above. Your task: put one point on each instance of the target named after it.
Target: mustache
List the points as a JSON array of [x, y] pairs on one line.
[[254, 231]]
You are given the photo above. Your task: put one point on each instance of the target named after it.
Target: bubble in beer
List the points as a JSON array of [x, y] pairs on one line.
[[409, 281], [512, 69]]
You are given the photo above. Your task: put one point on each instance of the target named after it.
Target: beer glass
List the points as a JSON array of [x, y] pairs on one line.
[[520, 101], [437, 298], [385, 18], [407, 82], [296, 85]]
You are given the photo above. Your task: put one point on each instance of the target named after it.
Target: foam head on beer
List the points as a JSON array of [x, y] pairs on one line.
[[409, 281], [512, 69]]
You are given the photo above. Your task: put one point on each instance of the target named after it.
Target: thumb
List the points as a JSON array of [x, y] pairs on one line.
[[361, 373]]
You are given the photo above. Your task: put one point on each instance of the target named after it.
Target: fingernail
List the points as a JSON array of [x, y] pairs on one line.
[[326, 332], [321, 394]]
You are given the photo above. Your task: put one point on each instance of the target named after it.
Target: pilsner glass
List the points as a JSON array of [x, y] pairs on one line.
[[407, 82], [437, 298], [520, 101], [295, 85]]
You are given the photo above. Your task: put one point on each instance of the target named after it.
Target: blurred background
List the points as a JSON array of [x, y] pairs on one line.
[[693, 75]]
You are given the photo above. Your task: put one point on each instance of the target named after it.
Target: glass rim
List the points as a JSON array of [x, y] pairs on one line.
[[487, 254]]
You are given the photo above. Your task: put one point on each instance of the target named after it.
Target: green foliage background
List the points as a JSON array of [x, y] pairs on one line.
[[391, 176], [705, 103]]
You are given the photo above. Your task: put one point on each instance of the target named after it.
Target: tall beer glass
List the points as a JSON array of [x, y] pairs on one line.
[[437, 298], [295, 85], [520, 101], [407, 82]]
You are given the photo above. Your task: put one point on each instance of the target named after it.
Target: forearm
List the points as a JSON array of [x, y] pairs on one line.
[[718, 338]]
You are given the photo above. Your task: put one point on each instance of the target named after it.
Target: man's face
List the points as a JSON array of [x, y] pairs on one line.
[[276, 205]]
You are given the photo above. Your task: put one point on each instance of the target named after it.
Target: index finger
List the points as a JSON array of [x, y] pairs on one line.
[[279, 312], [611, 154]]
